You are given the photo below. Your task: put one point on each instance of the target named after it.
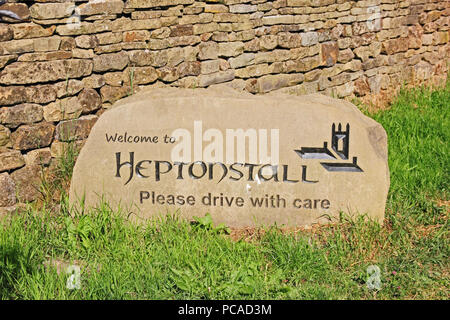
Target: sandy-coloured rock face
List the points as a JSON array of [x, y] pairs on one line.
[[248, 160]]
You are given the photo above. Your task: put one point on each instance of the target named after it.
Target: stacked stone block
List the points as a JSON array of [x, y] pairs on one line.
[[66, 62]]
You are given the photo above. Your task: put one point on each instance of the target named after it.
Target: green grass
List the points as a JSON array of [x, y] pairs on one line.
[[173, 259], [418, 127]]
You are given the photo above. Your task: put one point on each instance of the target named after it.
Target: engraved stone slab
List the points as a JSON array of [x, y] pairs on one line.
[[248, 160]]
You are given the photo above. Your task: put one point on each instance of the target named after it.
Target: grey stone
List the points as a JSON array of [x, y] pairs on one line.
[[309, 174]]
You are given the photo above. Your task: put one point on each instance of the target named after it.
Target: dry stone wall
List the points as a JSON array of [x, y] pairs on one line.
[[66, 62]]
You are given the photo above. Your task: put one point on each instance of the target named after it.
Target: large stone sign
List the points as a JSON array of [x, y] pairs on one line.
[[247, 160]]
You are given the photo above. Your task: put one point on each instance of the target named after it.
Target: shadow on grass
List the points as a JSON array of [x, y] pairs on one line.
[[16, 263]]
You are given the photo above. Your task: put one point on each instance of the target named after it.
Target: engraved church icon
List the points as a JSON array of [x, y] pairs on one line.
[[340, 144], [339, 137]]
